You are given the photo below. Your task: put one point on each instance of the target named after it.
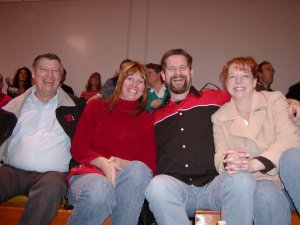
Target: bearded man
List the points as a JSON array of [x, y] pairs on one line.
[[186, 176]]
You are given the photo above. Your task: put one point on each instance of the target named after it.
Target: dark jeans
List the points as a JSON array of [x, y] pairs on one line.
[[45, 191]]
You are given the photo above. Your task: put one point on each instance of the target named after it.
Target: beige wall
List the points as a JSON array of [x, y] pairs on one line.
[[95, 35]]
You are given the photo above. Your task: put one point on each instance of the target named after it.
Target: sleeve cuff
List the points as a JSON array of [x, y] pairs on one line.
[[267, 163]]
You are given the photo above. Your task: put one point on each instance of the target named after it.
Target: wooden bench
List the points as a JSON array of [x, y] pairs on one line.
[[11, 211], [210, 217]]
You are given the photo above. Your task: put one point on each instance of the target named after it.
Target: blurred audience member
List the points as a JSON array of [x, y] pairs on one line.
[[110, 85], [157, 92], [92, 87], [65, 87], [21, 82], [294, 91], [3, 97], [265, 76]]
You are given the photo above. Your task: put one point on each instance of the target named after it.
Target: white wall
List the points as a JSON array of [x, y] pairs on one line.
[[95, 35]]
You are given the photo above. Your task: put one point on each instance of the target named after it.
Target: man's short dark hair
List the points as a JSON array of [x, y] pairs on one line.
[[155, 67], [261, 65], [50, 56], [177, 51], [124, 62]]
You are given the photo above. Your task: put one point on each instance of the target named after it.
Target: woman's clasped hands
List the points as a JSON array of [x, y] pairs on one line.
[[236, 160]]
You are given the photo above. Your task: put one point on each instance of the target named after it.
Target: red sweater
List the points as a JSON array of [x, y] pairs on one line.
[[4, 99], [88, 94], [117, 133]]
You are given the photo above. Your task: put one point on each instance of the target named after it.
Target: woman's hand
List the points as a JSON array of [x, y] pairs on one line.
[[118, 161], [236, 160], [8, 81], [156, 103], [255, 165], [109, 168]]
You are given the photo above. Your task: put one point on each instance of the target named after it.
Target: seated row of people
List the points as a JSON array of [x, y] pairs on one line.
[[233, 150], [157, 92]]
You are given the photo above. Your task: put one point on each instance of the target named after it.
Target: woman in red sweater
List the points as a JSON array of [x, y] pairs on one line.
[[114, 145], [92, 87]]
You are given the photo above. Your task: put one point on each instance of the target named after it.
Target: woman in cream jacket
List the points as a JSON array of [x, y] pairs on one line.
[[250, 133]]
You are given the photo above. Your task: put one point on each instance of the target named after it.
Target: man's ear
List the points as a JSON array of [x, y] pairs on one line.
[[192, 72], [163, 76]]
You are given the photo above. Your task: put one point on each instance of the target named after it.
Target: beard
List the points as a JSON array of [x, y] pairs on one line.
[[179, 89]]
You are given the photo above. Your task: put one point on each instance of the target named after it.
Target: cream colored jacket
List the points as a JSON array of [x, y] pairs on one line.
[[269, 133]]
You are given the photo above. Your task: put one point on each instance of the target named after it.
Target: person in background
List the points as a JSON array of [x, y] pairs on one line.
[[36, 130], [21, 82], [289, 161], [110, 85], [4, 99], [294, 111], [265, 76], [158, 92], [65, 87], [114, 145], [250, 134], [294, 92], [289, 164], [187, 178], [92, 87]]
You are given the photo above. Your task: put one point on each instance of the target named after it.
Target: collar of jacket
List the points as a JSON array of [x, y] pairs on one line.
[[15, 105], [257, 114]]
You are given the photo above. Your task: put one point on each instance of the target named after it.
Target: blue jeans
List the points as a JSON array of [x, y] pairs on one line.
[[95, 198], [173, 201], [290, 174], [271, 204]]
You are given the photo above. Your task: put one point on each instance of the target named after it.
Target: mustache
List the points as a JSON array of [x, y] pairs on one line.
[[178, 76]]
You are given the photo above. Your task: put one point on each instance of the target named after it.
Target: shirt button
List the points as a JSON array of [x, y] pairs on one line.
[[183, 146], [186, 165], [182, 129], [180, 113]]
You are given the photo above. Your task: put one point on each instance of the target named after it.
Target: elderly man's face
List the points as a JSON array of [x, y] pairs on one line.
[[47, 77]]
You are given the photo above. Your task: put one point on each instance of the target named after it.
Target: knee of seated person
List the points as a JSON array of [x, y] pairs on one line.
[[158, 186], [266, 190], [291, 155], [99, 192], [242, 181], [138, 170]]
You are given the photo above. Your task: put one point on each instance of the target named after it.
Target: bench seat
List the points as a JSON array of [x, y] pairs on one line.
[[11, 211]]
